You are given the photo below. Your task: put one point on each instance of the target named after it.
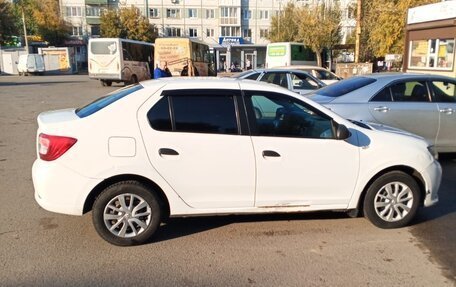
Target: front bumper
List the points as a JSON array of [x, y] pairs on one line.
[[432, 176], [60, 189]]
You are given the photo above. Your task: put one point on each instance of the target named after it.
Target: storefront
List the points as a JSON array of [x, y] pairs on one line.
[[233, 53], [430, 39]]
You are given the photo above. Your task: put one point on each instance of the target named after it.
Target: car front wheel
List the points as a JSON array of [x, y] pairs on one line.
[[126, 213], [392, 200]]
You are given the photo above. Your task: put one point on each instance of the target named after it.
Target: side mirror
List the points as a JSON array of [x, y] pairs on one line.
[[342, 132]]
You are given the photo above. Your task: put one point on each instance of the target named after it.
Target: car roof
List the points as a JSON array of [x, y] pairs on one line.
[[294, 67]]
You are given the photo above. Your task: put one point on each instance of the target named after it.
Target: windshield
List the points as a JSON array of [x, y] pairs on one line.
[[345, 86], [106, 101], [103, 48]]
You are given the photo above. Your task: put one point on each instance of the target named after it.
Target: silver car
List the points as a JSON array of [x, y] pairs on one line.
[[421, 104], [294, 80]]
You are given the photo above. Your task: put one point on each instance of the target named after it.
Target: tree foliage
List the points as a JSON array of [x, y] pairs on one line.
[[8, 23], [317, 26], [50, 26], [127, 23], [383, 26]]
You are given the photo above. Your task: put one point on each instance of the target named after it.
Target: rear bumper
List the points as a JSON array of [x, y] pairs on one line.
[[100, 76], [432, 176], [59, 189]]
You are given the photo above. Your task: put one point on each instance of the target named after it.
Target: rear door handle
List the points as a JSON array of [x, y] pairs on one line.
[[270, 153], [382, 109], [447, 111], [167, 151]]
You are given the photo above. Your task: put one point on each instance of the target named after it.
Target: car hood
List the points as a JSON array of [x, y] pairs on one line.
[[385, 128]]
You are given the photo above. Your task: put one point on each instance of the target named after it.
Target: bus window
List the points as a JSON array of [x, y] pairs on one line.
[[103, 48]]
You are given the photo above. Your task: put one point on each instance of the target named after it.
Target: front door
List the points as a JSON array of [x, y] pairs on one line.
[[407, 106], [299, 162], [201, 152]]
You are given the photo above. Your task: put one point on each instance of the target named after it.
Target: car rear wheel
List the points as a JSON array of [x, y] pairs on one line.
[[392, 200], [126, 213]]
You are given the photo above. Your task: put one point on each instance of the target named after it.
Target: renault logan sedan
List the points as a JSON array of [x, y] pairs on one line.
[[421, 104], [184, 147]]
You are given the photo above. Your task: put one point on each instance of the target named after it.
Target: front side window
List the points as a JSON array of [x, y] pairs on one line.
[[279, 116], [413, 91], [444, 92], [303, 82]]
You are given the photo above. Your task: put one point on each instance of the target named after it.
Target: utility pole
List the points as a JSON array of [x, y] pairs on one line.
[[25, 29], [358, 30]]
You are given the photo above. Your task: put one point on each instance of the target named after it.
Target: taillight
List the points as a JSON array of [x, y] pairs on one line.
[[52, 147]]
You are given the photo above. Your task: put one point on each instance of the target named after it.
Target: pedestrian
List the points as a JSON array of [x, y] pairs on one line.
[[158, 72], [166, 71], [248, 65]]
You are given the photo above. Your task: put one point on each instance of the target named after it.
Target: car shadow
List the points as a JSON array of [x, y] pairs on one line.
[[8, 84], [181, 227]]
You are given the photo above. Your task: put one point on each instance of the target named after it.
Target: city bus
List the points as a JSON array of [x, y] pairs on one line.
[[120, 60], [289, 54], [185, 57]]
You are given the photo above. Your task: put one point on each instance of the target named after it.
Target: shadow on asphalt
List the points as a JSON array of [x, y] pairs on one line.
[[180, 227], [4, 84]]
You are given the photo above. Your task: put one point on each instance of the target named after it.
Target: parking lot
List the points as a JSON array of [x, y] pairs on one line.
[[41, 248]]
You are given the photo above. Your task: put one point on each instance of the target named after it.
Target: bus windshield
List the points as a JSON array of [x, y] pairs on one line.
[[103, 48]]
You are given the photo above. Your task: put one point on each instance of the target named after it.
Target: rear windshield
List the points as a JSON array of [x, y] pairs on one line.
[[345, 86], [103, 48], [106, 101]]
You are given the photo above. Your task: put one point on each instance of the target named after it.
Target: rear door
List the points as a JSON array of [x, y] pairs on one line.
[[407, 105], [195, 140], [445, 97]]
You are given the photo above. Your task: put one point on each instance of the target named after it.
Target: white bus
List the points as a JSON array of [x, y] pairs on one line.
[[120, 60], [289, 54]]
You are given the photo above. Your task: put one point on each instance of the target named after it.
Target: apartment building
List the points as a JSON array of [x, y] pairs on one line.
[[236, 29]]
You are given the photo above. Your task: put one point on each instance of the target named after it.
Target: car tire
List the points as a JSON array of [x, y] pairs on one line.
[[126, 213], [392, 200], [108, 83]]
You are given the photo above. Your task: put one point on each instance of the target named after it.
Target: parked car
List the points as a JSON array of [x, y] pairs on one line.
[[30, 64], [293, 80], [320, 73], [185, 147], [421, 104]]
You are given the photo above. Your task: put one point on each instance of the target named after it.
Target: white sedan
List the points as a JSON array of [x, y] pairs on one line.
[[184, 147]]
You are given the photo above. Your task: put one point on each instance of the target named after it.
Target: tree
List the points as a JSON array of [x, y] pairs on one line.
[[50, 25], [383, 26], [127, 23], [9, 23], [317, 26]]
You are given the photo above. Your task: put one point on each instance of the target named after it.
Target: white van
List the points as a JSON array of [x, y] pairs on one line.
[[30, 63]]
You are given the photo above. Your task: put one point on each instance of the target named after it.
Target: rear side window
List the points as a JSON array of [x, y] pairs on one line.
[[106, 101], [159, 116], [205, 114], [345, 86]]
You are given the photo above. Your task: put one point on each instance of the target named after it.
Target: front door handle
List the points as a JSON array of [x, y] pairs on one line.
[[167, 151], [382, 109], [270, 153], [447, 111]]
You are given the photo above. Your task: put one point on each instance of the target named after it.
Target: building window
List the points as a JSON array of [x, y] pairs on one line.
[[264, 14], [192, 13], [210, 13], [209, 32], [264, 33], [73, 11], [173, 32], [247, 33], [230, 31], [76, 31], [193, 32], [229, 15], [95, 30], [247, 14], [172, 13], [154, 13], [93, 11], [435, 54]]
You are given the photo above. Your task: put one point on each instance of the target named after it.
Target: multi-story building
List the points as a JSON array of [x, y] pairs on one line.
[[236, 29]]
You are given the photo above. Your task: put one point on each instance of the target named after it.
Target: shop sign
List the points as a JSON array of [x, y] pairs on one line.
[[229, 41]]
